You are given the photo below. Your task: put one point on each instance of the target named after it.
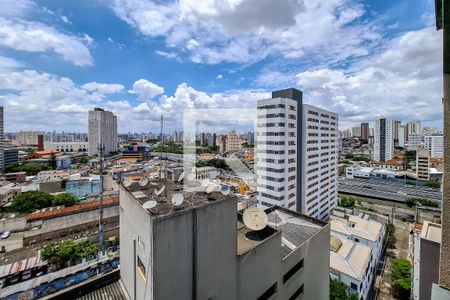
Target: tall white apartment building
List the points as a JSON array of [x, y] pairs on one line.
[[401, 136], [2, 142], [102, 129], [296, 155], [383, 149], [356, 131], [414, 141], [413, 128], [435, 145]]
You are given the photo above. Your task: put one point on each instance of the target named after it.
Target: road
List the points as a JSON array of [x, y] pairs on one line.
[[384, 189], [14, 241]]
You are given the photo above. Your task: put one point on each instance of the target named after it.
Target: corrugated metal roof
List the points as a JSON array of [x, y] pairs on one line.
[[111, 291]]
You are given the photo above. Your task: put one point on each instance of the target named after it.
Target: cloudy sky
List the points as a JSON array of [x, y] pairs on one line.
[[143, 58]]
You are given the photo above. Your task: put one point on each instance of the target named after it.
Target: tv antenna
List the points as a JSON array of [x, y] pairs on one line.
[[255, 218], [160, 190]]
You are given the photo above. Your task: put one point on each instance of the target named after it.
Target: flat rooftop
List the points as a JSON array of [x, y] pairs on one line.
[[431, 232]]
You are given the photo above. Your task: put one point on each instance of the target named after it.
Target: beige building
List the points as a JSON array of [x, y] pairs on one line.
[[229, 143], [423, 164]]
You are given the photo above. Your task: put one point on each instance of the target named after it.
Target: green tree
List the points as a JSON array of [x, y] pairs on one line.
[[347, 201], [65, 199], [30, 201], [339, 291], [411, 202], [52, 161], [401, 278]]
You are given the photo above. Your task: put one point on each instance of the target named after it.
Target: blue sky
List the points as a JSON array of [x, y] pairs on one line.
[[140, 59]]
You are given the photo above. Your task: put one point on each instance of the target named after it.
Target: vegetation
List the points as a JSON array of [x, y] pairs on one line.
[[68, 251], [170, 147], [339, 291], [29, 168], [433, 184], [247, 145], [411, 202], [217, 163], [390, 236], [210, 149], [357, 158], [347, 201], [401, 278], [81, 159], [52, 163], [31, 201], [151, 141]]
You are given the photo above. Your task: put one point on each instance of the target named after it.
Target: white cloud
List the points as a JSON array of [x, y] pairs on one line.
[[403, 82], [220, 76], [103, 88], [166, 54], [65, 19], [8, 63], [247, 31], [146, 90]]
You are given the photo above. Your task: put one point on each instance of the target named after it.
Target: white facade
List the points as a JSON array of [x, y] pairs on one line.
[[414, 128], [366, 172], [102, 129], [414, 141], [383, 140], [435, 145], [401, 136], [297, 149], [66, 146]]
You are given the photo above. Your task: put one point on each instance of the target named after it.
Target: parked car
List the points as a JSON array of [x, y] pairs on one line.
[[5, 235]]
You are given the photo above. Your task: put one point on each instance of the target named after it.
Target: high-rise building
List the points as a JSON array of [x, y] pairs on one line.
[[296, 155], [435, 145], [383, 140], [2, 142], [102, 130], [365, 131], [356, 132], [422, 164], [414, 128], [396, 130], [202, 249], [414, 141], [401, 136], [26, 138], [429, 130]]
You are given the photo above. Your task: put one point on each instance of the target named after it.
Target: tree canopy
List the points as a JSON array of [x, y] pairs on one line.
[[29, 202], [29, 168], [339, 291], [401, 277], [68, 250], [347, 201]]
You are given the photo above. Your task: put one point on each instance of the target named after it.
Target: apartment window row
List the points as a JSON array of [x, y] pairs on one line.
[[313, 127], [271, 160], [324, 128], [292, 117], [313, 177], [278, 143], [324, 173], [325, 141], [323, 192], [324, 134], [313, 134], [312, 142], [324, 160], [297, 267], [324, 122], [269, 187], [313, 156], [312, 199], [271, 170], [291, 125], [324, 147], [268, 178], [291, 169], [271, 133], [324, 116], [312, 185], [333, 123], [271, 196], [272, 106], [271, 125], [314, 113], [333, 117], [312, 170], [291, 178], [312, 192], [292, 107], [324, 153], [268, 116], [312, 149], [291, 152], [313, 120], [291, 160], [312, 206], [265, 203], [313, 163], [271, 151]]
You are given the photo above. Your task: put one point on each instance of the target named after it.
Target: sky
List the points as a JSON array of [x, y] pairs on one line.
[[144, 58]]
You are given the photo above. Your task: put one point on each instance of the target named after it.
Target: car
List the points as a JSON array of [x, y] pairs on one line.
[[5, 235]]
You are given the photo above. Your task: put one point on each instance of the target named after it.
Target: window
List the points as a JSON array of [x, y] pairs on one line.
[[270, 292], [141, 268], [353, 286], [297, 292], [292, 271]]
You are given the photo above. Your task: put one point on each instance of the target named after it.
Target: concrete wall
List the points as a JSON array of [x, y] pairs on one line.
[[429, 271], [14, 224]]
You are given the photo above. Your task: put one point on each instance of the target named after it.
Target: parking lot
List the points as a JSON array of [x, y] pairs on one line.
[[385, 189]]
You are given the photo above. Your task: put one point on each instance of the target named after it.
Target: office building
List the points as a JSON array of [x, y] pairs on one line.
[[201, 249], [10, 155], [296, 155], [422, 164], [40, 142], [365, 131], [2, 142], [435, 145], [356, 132], [383, 140], [102, 130]]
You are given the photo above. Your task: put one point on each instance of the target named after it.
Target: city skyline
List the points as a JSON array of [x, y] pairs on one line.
[[58, 61]]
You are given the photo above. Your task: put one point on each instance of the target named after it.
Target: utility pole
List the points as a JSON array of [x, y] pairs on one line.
[[443, 22], [101, 148]]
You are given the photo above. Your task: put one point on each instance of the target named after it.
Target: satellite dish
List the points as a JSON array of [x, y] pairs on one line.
[[160, 190], [143, 181], [181, 177], [225, 190], [127, 182], [210, 188], [191, 177], [149, 204], [177, 199], [255, 218]]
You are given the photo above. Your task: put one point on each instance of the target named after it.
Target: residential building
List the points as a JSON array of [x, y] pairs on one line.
[[66, 146], [365, 131], [201, 249], [396, 130], [414, 141], [429, 130], [356, 132], [394, 165], [367, 172], [413, 128], [11, 155], [383, 140], [233, 142], [401, 136], [102, 131], [28, 138], [353, 264], [296, 155], [435, 145], [426, 259], [422, 164]]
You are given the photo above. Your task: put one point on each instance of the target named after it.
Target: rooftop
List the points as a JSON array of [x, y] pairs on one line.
[[348, 257], [358, 226], [431, 232]]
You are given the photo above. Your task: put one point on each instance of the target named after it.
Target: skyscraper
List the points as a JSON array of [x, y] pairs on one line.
[[383, 140], [435, 145], [365, 131], [296, 155], [102, 129]]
